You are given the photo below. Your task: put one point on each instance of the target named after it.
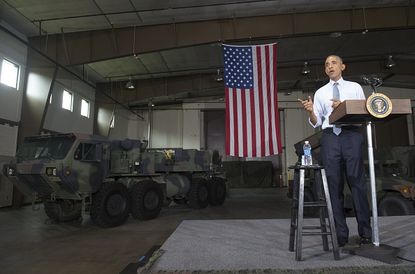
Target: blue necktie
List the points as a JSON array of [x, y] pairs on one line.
[[336, 95]]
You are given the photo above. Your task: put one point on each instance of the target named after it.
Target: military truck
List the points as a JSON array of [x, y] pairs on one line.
[[75, 174], [395, 184]]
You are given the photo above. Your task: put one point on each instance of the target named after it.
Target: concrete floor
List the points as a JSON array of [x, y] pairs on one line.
[[30, 244]]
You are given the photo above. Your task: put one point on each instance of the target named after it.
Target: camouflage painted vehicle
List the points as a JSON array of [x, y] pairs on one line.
[[395, 184], [76, 173], [395, 192]]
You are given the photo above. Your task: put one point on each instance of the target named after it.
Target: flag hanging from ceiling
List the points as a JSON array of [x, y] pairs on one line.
[[252, 118]]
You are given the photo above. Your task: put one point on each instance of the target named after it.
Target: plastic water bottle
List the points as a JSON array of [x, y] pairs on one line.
[[308, 160]]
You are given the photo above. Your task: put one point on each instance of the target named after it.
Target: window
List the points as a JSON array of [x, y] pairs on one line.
[[87, 152], [85, 108], [67, 100], [9, 74]]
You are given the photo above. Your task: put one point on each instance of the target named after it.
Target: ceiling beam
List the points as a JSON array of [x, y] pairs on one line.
[[289, 78], [91, 46]]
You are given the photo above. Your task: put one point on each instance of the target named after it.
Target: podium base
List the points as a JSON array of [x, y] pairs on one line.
[[384, 253]]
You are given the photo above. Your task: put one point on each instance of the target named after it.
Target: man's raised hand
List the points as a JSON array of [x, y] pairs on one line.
[[336, 103], [307, 104]]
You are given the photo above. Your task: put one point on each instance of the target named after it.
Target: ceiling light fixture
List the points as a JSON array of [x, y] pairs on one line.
[[306, 70], [389, 62], [364, 22], [129, 84]]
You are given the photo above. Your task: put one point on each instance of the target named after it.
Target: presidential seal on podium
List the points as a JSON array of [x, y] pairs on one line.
[[379, 105]]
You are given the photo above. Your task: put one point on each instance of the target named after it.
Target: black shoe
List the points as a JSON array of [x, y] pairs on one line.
[[342, 241], [365, 241]]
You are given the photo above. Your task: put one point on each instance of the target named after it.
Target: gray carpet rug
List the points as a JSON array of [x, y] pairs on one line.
[[261, 246]]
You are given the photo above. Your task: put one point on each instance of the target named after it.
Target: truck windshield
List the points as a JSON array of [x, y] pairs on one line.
[[51, 147]]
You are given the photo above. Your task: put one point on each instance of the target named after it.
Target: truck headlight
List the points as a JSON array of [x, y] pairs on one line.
[[406, 190], [51, 171], [11, 171]]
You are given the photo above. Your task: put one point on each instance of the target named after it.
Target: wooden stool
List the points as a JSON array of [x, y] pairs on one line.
[[297, 211]]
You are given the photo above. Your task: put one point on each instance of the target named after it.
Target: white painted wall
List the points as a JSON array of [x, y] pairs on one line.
[[167, 129], [138, 126], [10, 98], [128, 125], [10, 107], [178, 127], [192, 126], [62, 120], [8, 140]]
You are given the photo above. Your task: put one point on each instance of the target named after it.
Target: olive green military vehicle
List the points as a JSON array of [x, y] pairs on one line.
[[395, 179], [73, 174]]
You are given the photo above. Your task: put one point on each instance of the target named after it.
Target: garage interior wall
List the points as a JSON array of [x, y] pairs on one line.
[[10, 107], [128, 125], [177, 126], [39, 80], [74, 121]]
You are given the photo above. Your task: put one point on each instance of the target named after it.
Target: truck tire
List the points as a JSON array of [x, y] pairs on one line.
[[198, 196], [217, 191], [396, 205], [63, 210], [146, 200], [110, 205]]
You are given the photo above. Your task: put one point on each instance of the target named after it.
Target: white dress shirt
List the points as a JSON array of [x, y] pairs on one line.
[[322, 99]]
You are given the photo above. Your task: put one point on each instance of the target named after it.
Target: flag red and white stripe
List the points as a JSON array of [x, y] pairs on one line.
[[252, 117]]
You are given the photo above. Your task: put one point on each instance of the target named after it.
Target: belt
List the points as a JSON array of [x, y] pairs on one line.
[[344, 128]]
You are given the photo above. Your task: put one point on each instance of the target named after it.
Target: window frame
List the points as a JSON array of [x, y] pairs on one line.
[[88, 106], [63, 98], [88, 152], [17, 83]]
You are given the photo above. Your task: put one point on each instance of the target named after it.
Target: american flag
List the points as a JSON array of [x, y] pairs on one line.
[[252, 118]]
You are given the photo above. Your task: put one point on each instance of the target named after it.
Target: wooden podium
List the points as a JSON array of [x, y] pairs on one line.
[[355, 112]]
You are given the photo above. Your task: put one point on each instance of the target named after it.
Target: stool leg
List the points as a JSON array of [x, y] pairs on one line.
[[300, 217], [330, 216], [293, 227], [323, 226], [294, 210], [322, 213]]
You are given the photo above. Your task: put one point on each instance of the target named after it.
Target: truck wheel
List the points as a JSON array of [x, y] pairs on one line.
[[110, 205], [146, 200], [198, 195], [63, 210], [217, 191], [395, 205]]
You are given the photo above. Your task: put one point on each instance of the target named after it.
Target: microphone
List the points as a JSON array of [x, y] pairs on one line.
[[366, 79], [377, 81]]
